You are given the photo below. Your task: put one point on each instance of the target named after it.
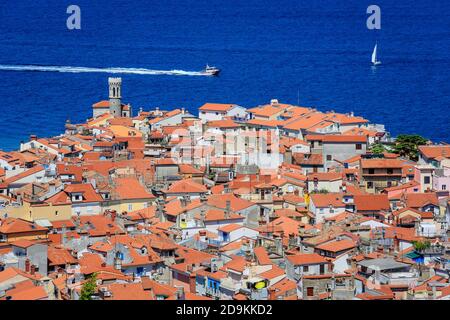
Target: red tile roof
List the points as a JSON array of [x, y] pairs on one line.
[[325, 200], [432, 152], [371, 202], [381, 163], [306, 259], [131, 189], [12, 225], [337, 246], [418, 200], [186, 186], [219, 107]]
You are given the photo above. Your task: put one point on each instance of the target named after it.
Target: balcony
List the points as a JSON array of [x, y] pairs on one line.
[[213, 293], [399, 278], [216, 243], [230, 284]]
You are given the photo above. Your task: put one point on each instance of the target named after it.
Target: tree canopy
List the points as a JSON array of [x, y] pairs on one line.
[[88, 288], [407, 145], [378, 148], [421, 245]]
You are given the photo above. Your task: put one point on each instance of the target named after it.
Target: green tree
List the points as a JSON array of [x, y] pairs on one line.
[[89, 287], [407, 145], [421, 245], [377, 148]]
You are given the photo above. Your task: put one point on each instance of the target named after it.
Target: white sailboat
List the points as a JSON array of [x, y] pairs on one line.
[[375, 62]]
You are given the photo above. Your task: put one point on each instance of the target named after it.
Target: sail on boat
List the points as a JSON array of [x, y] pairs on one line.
[[375, 62]]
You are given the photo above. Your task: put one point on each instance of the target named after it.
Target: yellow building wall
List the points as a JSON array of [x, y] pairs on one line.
[[32, 213], [124, 205], [37, 235]]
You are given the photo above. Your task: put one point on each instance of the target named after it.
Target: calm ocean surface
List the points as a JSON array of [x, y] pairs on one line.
[[318, 51]]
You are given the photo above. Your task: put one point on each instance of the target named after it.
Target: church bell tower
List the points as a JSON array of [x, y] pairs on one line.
[[115, 91]]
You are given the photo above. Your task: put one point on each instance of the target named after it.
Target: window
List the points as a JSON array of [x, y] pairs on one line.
[[426, 180], [390, 171], [322, 269], [358, 146], [329, 157], [310, 291], [369, 185], [371, 171], [444, 187], [305, 268], [56, 213]]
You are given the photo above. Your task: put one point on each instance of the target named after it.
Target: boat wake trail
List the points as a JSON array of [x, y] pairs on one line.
[[68, 69]]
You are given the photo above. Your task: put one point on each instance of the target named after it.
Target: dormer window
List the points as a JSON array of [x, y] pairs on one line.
[[77, 197]]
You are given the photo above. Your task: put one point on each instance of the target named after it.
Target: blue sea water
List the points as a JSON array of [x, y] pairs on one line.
[[317, 52]]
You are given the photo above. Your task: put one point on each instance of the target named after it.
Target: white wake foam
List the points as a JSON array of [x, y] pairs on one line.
[[68, 69]]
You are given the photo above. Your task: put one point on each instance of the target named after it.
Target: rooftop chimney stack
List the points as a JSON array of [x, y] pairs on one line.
[[180, 293], [227, 209]]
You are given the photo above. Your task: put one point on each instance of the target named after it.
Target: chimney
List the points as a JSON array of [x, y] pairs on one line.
[[52, 187], [288, 156], [227, 209], [202, 234], [192, 285], [27, 265], [396, 243], [180, 293], [202, 215], [33, 137], [434, 291], [33, 270], [272, 294]]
